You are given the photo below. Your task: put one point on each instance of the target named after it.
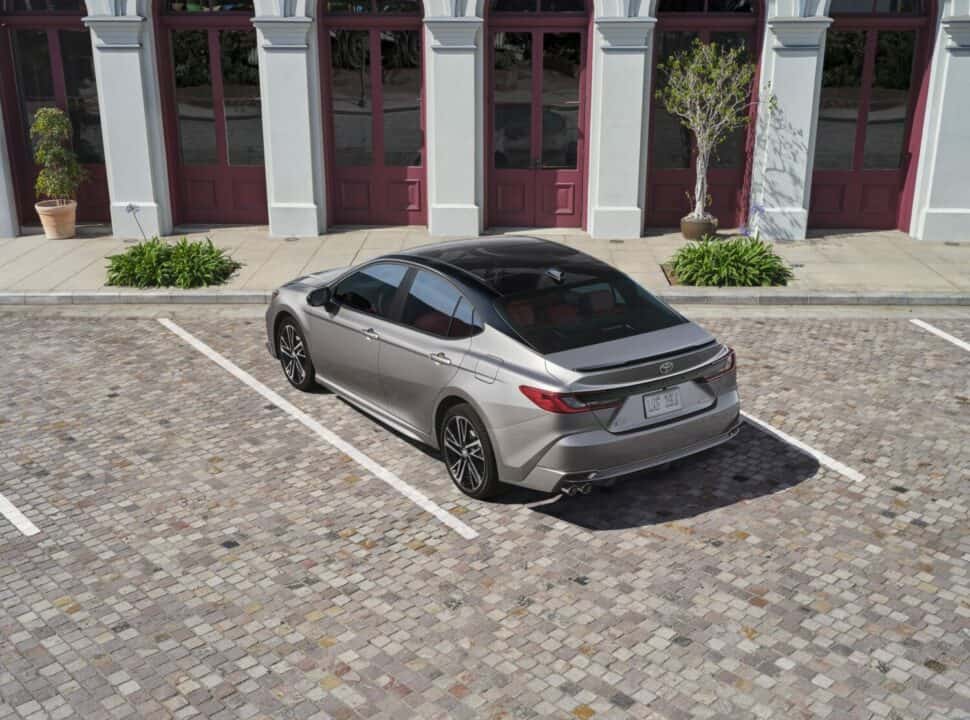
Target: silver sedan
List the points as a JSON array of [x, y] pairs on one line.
[[525, 362]]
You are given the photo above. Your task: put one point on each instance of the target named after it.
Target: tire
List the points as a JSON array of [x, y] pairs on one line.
[[294, 355], [474, 472]]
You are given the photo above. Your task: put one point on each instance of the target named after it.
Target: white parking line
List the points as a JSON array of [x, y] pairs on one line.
[[821, 457], [19, 520], [415, 496], [939, 333]]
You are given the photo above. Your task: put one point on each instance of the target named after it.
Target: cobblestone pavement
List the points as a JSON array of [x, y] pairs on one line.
[[201, 554]]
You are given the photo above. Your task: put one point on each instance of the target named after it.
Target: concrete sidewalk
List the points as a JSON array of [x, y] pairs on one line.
[[846, 267]]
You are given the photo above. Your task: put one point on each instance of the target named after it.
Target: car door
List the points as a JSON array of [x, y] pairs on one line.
[[422, 353], [345, 336]]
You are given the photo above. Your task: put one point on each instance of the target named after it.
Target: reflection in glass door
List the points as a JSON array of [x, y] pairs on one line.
[[376, 124], [53, 66], [537, 120], [862, 141], [214, 116]]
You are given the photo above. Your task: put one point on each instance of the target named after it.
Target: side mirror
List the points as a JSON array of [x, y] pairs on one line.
[[320, 296]]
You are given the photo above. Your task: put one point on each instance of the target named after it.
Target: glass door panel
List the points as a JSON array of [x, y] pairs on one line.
[[194, 98], [671, 141], [401, 97], [241, 99], [840, 100], [889, 100], [351, 97], [512, 118], [561, 64], [731, 152], [82, 95], [35, 80]]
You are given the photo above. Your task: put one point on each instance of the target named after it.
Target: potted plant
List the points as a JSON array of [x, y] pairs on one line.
[[707, 87], [60, 172]]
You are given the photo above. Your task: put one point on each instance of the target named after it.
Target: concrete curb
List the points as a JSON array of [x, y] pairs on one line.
[[681, 296]]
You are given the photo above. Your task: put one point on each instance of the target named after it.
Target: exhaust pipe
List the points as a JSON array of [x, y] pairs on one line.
[[577, 489]]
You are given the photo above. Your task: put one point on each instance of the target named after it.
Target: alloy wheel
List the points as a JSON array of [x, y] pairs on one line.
[[464, 454], [293, 355]]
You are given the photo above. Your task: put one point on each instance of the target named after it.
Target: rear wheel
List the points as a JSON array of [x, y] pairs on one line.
[[291, 349], [468, 453]]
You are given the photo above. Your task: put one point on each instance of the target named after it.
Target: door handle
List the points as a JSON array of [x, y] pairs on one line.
[[371, 334], [441, 358]]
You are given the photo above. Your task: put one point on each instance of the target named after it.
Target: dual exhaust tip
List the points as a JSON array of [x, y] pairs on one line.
[[577, 489]]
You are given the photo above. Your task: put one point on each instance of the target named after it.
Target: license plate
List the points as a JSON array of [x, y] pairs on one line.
[[662, 402]]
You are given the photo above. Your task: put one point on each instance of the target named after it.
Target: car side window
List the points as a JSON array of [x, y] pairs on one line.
[[372, 289], [464, 323], [430, 304]]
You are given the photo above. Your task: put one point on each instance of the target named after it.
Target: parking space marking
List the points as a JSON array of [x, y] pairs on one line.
[[19, 520], [821, 457], [939, 333], [379, 471]]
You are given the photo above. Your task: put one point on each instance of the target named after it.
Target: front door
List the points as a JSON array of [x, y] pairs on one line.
[[862, 147], [52, 66], [211, 95], [538, 124], [376, 122]]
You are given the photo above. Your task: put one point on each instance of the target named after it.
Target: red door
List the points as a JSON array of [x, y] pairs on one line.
[[670, 178], [863, 149], [538, 122], [376, 122], [214, 129], [52, 66]]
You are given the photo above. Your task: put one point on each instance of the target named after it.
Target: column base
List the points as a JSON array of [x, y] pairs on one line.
[[133, 220], [783, 224], [945, 225], [293, 220], [454, 220], [621, 223]]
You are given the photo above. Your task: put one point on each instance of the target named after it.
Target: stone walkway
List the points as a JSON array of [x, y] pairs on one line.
[[876, 262]]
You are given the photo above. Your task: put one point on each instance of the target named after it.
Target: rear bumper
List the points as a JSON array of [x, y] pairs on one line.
[[599, 455]]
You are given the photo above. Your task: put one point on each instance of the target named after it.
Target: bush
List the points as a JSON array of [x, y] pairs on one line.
[[737, 262], [185, 264], [60, 174]]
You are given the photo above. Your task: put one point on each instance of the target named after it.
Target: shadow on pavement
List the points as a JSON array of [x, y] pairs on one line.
[[750, 466]]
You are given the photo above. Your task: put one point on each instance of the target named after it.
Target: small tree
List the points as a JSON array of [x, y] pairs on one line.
[[708, 88], [60, 173]]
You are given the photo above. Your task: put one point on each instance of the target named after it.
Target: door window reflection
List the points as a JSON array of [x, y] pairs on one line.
[[193, 97], [671, 147], [889, 100], [560, 99], [241, 101], [82, 95], [401, 97], [512, 121], [351, 97], [35, 81], [840, 99]]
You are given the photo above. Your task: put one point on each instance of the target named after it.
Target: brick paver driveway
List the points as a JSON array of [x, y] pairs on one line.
[[202, 554]]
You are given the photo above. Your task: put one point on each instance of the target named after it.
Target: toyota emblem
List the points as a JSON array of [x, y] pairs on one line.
[[666, 367]]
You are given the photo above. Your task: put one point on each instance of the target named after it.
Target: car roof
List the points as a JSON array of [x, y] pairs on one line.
[[507, 265]]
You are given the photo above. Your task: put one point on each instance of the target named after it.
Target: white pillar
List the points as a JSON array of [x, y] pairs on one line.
[[941, 210], [131, 116], [619, 118], [9, 224], [791, 80], [292, 130], [454, 125]]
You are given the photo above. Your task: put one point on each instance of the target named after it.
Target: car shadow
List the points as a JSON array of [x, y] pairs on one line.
[[751, 465]]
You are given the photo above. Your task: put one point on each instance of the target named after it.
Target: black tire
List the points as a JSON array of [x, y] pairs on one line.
[[294, 354], [475, 474]]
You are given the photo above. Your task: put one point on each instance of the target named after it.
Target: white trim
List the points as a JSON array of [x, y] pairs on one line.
[[379, 471], [939, 333], [19, 520]]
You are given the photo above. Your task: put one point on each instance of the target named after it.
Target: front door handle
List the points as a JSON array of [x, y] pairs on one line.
[[441, 358], [371, 334]]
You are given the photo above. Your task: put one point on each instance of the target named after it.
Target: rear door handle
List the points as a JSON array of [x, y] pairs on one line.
[[441, 358], [371, 334]]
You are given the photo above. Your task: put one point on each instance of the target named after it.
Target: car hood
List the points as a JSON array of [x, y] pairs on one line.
[[315, 280]]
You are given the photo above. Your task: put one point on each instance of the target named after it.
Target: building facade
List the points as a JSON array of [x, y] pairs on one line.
[[466, 114]]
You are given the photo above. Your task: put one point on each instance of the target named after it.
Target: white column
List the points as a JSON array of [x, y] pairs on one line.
[[619, 120], [9, 224], [791, 78], [454, 137], [131, 116], [292, 130], [941, 210]]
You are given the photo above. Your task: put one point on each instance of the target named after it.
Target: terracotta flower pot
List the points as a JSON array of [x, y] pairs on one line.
[[58, 218], [693, 229]]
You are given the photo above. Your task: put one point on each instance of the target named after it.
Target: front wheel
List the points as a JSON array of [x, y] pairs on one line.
[[291, 349], [468, 453]]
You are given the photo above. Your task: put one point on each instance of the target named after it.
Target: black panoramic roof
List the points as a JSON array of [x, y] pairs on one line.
[[508, 265]]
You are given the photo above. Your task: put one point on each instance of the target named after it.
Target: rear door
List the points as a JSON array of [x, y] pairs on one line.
[[422, 353], [345, 338]]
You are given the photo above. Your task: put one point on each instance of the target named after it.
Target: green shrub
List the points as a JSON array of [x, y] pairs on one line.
[[736, 262], [185, 264], [60, 173]]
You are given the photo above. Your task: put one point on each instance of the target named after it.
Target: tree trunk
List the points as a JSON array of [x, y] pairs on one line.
[[700, 184]]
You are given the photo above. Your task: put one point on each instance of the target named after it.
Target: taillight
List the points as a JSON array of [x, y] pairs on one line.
[[565, 403], [721, 368]]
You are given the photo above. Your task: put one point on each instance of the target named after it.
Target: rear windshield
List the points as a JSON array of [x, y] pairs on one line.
[[565, 316]]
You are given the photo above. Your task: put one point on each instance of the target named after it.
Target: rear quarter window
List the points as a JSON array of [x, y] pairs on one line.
[[572, 315]]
